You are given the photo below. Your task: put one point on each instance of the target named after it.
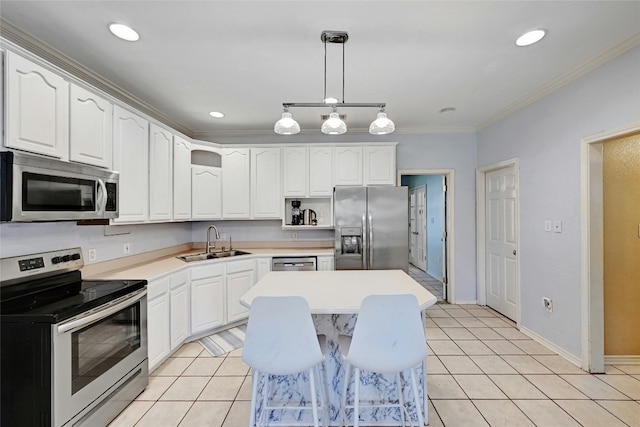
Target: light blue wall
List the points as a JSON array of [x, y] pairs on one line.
[[434, 217], [545, 137]]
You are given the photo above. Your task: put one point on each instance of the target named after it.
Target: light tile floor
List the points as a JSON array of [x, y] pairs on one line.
[[432, 284], [482, 371]]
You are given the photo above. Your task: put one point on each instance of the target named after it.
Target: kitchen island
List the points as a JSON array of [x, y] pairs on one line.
[[334, 298]]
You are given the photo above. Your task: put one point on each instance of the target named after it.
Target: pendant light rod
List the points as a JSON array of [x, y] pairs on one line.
[[334, 105]]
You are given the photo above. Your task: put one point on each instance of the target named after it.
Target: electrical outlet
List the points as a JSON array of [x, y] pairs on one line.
[[127, 248], [548, 304], [294, 235], [92, 255]]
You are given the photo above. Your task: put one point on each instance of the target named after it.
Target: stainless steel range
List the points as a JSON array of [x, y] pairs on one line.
[[73, 352]]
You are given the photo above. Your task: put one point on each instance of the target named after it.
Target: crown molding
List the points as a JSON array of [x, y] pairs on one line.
[[565, 79], [16, 39]]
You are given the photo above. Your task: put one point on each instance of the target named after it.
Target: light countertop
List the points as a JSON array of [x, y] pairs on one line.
[[155, 268], [338, 292]]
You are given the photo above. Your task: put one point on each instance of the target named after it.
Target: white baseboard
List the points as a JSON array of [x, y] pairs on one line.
[[551, 346], [472, 302], [621, 360]]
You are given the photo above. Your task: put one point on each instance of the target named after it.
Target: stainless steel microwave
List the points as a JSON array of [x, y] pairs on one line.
[[36, 188]]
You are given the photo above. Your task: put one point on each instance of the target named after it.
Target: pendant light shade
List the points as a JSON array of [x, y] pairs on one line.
[[334, 125], [382, 125], [286, 125]]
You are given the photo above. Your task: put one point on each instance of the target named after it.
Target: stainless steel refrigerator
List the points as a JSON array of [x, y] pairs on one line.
[[371, 228]]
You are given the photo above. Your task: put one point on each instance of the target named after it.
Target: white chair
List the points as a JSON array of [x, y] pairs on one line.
[[281, 340], [388, 338]]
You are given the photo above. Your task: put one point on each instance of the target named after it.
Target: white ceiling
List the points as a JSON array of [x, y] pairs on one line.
[[247, 58]]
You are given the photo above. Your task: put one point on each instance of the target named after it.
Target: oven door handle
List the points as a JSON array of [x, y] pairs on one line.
[[124, 302]]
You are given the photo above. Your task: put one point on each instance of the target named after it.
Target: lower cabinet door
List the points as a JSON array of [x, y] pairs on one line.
[[180, 314], [237, 285], [207, 304], [158, 324]]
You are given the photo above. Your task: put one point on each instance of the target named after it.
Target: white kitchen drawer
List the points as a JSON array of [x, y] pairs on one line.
[[179, 278], [236, 266], [210, 270], [158, 287]]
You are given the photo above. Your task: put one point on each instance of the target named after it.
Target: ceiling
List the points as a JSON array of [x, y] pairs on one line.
[[247, 58]]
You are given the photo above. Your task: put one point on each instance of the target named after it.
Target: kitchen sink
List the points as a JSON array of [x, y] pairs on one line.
[[212, 255]]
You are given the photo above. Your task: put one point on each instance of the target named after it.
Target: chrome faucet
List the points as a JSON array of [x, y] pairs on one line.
[[211, 245]]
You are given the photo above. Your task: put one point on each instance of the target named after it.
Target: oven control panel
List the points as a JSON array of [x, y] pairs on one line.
[[41, 264]]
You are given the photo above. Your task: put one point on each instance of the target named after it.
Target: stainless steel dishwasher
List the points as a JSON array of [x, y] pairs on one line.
[[294, 263]]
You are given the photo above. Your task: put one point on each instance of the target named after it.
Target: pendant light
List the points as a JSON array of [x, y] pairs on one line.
[[286, 125], [334, 125], [382, 125]]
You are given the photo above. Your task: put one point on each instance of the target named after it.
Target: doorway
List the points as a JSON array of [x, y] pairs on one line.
[[498, 231], [593, 245], [429, 230]]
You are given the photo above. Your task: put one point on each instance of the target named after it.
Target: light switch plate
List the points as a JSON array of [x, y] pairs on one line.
[[547, 226]]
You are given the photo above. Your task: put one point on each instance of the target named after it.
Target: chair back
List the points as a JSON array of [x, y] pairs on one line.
[[280, 337], [389, 334]]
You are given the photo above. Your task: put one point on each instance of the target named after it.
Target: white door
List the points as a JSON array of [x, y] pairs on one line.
[[91, 128], [421, 228], [500, 241], [413, 233], [181, 178], [160, 173]]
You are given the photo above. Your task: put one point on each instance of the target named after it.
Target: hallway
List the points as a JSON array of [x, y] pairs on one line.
[[430, 283]]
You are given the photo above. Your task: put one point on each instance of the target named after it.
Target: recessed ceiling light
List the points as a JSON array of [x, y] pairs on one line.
[[124, 32], [447, 110], [330, 101], [216, 114], [530, 37]]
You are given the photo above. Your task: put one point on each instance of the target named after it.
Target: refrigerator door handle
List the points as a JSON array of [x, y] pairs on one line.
[[370, 243], [365, 245]]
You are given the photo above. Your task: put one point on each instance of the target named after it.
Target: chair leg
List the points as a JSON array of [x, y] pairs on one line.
[[322, 379], [356, 398], [416, 397], [400, 397], [314, 401], [255, 378], [345, 387]]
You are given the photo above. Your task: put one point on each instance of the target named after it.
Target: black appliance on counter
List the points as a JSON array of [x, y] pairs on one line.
[[296, 214], [73, 351]]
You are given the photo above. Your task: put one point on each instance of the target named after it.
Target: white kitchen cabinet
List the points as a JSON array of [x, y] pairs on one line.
[[206, 192], [37, 108], [131, 159], [91, 128], [240, 278], [320, 171], [266, 188], [295, 171], [160, 173], [236, 183], [180, 304], [158, 321], [325, 262], [379, 165], [263, 266], [181, 179], [207, 297], [347, 165]]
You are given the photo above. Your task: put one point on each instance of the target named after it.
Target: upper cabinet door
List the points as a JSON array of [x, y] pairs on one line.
[[131, 159], [206, 200], [380, 165], [266, 187], [181, 179], [91, 133], [236, 183], [347, 165], [37, 108], [295, 179], [320, 171], [160, 173]]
